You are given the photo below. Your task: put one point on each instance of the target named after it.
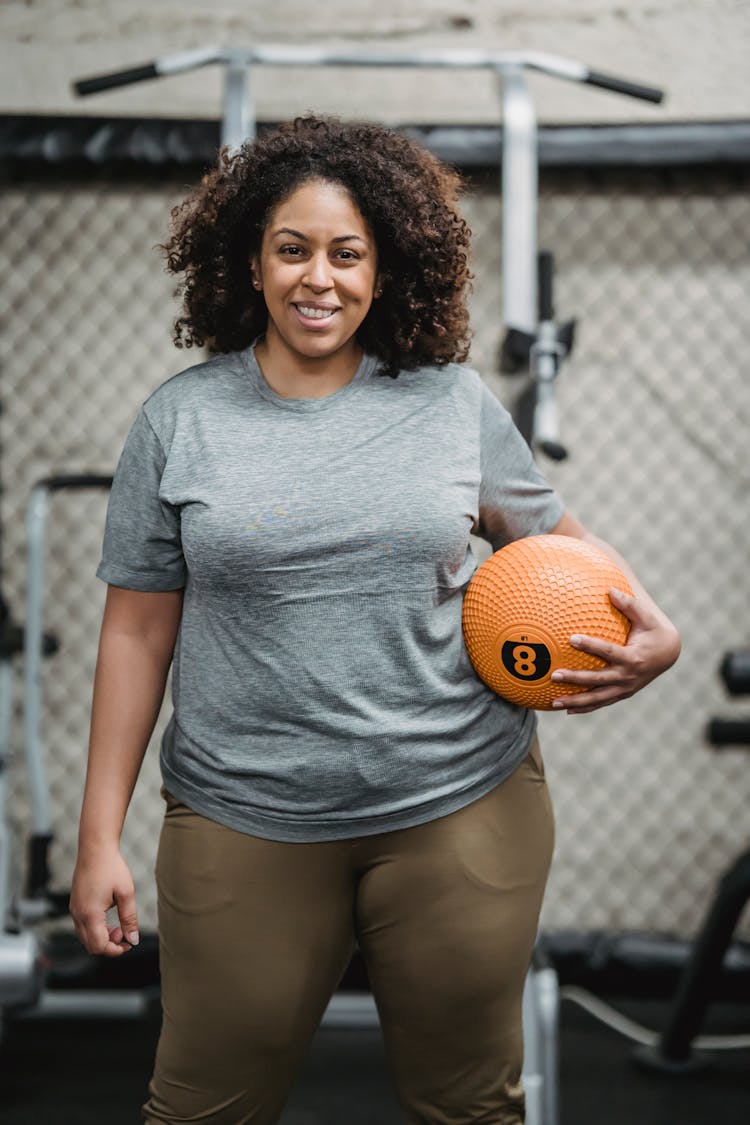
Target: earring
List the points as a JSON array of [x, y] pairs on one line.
[[256, 283]]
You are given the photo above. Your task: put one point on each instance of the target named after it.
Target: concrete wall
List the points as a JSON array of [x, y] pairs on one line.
[[697, 49]]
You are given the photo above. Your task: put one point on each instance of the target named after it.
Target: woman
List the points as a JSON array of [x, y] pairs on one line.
[[291, 521]]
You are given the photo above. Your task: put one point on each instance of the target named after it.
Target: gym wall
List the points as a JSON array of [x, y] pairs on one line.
[[654, 412], [696, 49]]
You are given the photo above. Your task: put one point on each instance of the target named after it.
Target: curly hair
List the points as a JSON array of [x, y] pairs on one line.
[[407, 197]]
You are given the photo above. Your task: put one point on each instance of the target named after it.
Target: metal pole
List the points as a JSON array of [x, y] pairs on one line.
[[6, 705], [701, 975], [35, 528], [519, 190], [238, 118]]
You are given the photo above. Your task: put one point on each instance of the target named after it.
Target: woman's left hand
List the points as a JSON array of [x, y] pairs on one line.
[[652, 646]]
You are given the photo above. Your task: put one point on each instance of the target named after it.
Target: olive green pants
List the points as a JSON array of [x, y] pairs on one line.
[[255, 935]]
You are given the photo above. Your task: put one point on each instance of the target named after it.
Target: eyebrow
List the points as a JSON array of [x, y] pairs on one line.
[[305, 238]]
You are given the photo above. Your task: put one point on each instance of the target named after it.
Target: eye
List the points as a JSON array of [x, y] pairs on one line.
[[348, 255], [291, 251]]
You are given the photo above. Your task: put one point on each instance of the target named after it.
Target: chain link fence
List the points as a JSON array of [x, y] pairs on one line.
[[654, 411]]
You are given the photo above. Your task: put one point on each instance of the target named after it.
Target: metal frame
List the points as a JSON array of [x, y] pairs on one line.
[[519, 164], [544, 345], [39, 902]]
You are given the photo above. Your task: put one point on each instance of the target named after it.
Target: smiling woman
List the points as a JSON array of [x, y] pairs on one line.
[[290, 524], [317, 269], [331, 200]]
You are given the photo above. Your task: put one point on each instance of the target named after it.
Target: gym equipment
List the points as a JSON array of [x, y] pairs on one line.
[[39, 901], [674, 1053], [523, 605], [21, 958], [534, 342], [21, 961], [24, 958], [539, 354]]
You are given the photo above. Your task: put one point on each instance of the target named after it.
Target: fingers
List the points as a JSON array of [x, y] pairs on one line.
[[128, 917], [584, 702], [99, 939], [652, 646], [602, 681], [89, 909], [599, 687], [103, 940], [632, 608], [588, 710], [585, 677], [608, 651], [110, 941]]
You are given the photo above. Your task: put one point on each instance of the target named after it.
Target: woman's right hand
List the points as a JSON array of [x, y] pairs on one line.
[[102, 880]]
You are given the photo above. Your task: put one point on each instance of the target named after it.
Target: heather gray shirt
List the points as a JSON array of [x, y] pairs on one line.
[[321, 687]]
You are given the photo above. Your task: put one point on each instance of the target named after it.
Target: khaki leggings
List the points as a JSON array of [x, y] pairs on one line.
[[255, 935]]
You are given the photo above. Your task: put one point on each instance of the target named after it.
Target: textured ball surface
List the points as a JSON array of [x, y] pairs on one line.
[[523, 605]]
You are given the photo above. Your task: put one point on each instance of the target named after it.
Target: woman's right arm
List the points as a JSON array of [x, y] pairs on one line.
[[136, 644]]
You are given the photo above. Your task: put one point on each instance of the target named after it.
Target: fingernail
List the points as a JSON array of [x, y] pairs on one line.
[[618, 593], [576, 639], [557, 676], [557, 704], [133, 937]]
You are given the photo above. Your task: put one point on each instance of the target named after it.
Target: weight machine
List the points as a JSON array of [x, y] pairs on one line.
[[674, 1054]]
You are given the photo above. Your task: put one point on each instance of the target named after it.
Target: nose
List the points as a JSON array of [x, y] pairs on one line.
[[317, 276]]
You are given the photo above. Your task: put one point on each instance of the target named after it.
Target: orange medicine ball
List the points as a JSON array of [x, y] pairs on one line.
[[525, 602]]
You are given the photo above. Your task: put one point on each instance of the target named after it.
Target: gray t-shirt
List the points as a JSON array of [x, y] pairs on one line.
[[321, 686]]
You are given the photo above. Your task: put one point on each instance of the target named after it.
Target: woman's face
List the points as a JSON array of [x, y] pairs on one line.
[[317, 268]]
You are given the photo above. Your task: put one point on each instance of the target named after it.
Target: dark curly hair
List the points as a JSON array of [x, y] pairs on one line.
[[406, 196]]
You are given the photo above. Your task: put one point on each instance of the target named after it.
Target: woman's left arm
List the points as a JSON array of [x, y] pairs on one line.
[[653, 643]]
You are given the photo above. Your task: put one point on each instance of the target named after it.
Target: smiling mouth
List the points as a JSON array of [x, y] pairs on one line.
[[314, 313]]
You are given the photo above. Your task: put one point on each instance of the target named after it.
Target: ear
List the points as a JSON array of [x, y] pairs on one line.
[[255, 272]]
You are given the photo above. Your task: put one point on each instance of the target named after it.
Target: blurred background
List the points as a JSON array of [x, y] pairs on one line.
[[647, 211]]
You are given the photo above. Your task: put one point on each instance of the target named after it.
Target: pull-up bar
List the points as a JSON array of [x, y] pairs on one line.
[[519, 132], [272, 55], [238, 119], [519, 138]]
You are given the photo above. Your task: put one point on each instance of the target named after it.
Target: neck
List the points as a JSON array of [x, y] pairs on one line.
[[294, 375]]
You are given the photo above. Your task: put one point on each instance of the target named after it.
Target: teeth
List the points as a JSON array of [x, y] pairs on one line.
[[316, 314]]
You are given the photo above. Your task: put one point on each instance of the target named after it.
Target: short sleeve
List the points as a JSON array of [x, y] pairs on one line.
[[514, 498], [142, 547]]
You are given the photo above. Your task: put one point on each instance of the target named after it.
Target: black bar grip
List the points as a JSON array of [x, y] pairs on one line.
[[699, 982], [729, 732], [100, 82], [13, 641], [75, 481], [545, 273], [622, 86], [38, 871], [735, 671], [553, 450]]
